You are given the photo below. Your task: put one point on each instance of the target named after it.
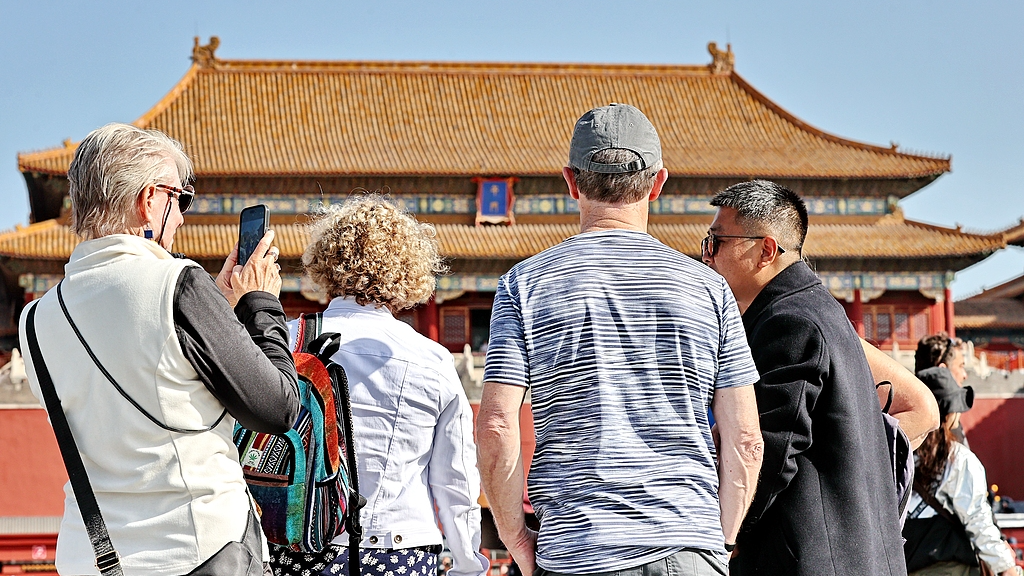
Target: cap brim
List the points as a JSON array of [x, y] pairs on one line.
[[959, 402]]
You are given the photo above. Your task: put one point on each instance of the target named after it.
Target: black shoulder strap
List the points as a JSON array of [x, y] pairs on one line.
[[888, 403], [356, 501], [121, 391], [932, 501], [107, 560], [311, 326]]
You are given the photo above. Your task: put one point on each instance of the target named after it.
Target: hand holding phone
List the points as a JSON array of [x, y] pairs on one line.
[[252, 227], [259, 269]]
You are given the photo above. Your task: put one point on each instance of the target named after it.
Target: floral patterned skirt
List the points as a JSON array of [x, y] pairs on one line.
[[333, 560]]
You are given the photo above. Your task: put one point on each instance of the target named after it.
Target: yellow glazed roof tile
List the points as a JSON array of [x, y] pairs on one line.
[[52, 241], [434, 118]]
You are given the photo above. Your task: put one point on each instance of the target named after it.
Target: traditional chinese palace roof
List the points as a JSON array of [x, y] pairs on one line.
[[886, 238], [273, 132], [288, 118], [1001, 307]]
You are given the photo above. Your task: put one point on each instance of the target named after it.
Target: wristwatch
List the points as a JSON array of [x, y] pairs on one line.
[[729, 547]]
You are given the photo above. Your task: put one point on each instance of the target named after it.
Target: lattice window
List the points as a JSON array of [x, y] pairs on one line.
[[454, 326], [902, 331], [869, 325], [919, 323], [884, 329]]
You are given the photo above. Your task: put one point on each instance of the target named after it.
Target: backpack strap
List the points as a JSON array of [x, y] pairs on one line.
[[310, 327], [356, 501], [888, 403], [107, 560], [311, 339]]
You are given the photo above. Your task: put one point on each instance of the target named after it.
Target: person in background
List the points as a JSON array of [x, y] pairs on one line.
[[624, 344], [825, 502], [912, 402], [941, 350], [195, 355], [949, 528], [412, 423]]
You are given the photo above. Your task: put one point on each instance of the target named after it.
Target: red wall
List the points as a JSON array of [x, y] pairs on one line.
[[31, 471], [995, 430]]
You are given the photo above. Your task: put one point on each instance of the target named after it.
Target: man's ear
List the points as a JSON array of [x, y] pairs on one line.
[[659, 182], [570, 180], [769, 252]]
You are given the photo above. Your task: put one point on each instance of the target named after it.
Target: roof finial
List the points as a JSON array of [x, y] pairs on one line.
[[722, 62], [204, 56]]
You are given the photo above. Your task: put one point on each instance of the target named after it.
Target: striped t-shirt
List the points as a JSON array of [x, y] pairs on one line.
[[622, 342]]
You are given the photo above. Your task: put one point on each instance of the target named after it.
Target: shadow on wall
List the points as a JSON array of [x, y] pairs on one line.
[[995, 430]]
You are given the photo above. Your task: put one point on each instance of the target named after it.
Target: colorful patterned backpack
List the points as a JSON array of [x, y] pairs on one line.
[[304, 481]]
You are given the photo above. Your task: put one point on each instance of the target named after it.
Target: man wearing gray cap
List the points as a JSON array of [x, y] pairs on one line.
[[625, 344]]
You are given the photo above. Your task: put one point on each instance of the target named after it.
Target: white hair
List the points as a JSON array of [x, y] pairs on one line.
[[111, 167]]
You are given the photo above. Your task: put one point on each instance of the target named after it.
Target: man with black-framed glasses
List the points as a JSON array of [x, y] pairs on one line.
[[826, 502]]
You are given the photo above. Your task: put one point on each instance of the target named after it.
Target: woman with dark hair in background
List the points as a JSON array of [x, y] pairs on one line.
[[941, 350], [949, 529]]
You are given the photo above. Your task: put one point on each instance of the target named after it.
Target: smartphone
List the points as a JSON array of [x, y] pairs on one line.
[[252, 227]]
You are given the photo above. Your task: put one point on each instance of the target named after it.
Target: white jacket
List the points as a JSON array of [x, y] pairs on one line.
[[963, 492], [413, 436]]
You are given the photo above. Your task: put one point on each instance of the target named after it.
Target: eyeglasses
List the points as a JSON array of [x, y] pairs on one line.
[[184, 195], [710, 244], [949, 345]]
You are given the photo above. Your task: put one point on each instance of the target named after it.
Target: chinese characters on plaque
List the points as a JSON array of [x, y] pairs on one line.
[[494, 201]]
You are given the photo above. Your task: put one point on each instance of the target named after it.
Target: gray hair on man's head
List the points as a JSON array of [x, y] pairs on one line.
[[767, 208], [110, 168], [628, 187]]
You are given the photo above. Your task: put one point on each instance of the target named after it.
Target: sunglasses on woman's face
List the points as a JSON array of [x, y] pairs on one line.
[[184, 195]]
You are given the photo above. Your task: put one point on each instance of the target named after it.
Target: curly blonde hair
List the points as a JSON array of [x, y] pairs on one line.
[[372, 250]]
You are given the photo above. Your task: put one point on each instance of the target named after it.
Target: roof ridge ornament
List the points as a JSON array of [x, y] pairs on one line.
[[722, 61], [203, 56]]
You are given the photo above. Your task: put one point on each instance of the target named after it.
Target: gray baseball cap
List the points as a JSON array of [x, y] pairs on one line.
[[614, 126]]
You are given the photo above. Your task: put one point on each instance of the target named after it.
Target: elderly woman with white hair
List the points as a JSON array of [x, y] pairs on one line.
[[153, 362], [412, 424]]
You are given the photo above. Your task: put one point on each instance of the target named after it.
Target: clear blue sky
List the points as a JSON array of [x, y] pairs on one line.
[[936, 76]]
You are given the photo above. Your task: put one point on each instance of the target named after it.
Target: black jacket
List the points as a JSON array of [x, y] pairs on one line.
[[242, 358], [826, 500]]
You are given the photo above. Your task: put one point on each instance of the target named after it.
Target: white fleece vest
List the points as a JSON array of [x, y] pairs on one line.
[[170, 500]]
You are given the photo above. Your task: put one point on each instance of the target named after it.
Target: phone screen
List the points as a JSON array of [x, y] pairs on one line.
[[251, 229]]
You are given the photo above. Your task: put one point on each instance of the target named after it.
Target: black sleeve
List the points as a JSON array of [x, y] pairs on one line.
[[241, 357], [791, 356]]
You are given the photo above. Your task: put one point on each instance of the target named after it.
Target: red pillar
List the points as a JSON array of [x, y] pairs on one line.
[[857, 310], [938, 318], [949, 314], [431, 320]]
